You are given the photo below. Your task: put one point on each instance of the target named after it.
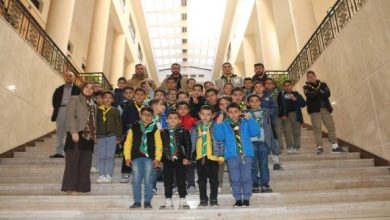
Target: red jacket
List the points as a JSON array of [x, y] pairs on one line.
[[187, 121]]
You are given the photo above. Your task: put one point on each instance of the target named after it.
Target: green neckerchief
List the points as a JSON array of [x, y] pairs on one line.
[[203, 128], [259, 117], [172, 144], [274, 93], [236, 129], [144, 140]]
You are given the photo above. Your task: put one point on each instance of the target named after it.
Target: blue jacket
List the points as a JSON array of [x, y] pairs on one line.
[[224, 132]]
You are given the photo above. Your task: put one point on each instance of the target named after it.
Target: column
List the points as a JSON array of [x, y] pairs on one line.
[[59, 22], [129, 69], [250, 57], [117, 58], [98, 36], [268, 36], [304, 20]]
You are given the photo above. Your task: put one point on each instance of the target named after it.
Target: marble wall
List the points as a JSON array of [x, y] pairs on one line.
[[356, 67], [26, 87]]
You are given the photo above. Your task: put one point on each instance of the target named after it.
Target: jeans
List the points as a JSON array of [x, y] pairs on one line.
[[260, 163], [143, 171], [106, 150], [240, 177]]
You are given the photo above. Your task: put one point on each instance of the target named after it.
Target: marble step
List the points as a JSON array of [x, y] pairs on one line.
[[278, 186], [86, 202], [283, 157], [8, 164], [48, 176], [372, 209]]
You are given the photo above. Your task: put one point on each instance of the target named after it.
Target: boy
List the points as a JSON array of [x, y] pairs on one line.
[[188, 122], [207, 157], [190, 85], [290, 103], [143, 151], [208, 85], [171, 100], [238, 96], [183, 96], [159, 118], [196, 100], [248, 86], [160, 95], [108, 133], [122, 82], [227, 89], [170, 84], [261, 145], [128, 93], [235, 132], [176, 143], [212, 98]]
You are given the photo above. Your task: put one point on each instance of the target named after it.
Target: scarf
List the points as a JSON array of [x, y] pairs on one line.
[[202, 130], [172, 144], [236, 130], [144, 139], [228, 79], [138, 107], [105, 111], [314, 85], [89, 130], [258, 115]]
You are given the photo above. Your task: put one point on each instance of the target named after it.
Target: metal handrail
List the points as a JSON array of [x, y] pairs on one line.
[[336, 19], [18, 16]]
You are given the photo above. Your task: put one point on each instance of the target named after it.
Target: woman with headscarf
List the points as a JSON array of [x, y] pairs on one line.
[[80, 137]]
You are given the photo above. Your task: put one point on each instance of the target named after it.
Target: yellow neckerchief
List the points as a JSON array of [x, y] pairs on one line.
[[105, 111], [138, 107], [310, 85], [210, 155]]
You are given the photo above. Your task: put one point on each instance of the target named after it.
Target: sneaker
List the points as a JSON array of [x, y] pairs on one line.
[[238, 204], [266, 189], [57, 156], [202, 205], [255, 189], [125, 178], [295, 150], [338, 150], [147, 205], [183, 204], [94, 170], [320, 150], [214, 204], [108, 179], [290, 151], [101, 179], [277, 167], [191, 190], [136, 205], [220, 189], [168, 204], [245, 203]]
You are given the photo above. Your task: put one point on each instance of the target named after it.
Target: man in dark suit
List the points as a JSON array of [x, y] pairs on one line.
[[61, 97]]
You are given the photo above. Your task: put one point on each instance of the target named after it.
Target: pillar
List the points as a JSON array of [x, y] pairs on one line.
[[117, 58], [250, 57], [268, 36], [98, 36], [304, 20], [59, 22]]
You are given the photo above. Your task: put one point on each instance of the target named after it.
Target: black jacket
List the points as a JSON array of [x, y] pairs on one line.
[[57, 98], [286, 106], [183, 144], [195, 107], [315, 94], [137, 137]]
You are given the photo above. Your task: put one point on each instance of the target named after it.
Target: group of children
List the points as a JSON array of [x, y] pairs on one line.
[[199, 129]]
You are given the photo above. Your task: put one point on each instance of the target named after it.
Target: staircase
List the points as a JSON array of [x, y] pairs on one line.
[[328, 186]]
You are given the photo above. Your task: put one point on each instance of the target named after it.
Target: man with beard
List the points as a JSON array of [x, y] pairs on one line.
[[181, 81], [139, 77]]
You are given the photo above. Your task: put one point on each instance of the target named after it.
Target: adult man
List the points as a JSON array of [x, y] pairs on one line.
[[60, 99], [139, 76], [259, 73], [228, 77], [181, 81], [319, 108]]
